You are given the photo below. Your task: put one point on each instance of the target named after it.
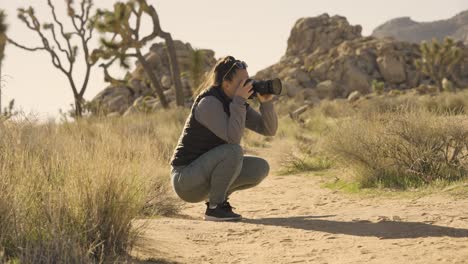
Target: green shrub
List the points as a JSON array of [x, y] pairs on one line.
[[378, 87]]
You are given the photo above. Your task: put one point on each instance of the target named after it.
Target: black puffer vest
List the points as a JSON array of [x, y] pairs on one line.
[[197, 139]]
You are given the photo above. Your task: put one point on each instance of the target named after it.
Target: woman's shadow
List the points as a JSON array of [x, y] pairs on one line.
[[383, 230]]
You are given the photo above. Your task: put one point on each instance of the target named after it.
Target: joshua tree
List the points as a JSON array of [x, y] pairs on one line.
[[3, 29], [64, 47], [126, 37], [438, 60], [196, 68]]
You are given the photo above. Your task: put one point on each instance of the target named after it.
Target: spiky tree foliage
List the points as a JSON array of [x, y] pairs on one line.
[[3, 38], [439, 59], [60, 44], [125, 42], [196, 68]]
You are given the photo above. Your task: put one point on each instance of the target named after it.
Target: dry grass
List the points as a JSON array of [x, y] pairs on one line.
[[385, 141], [402, 150], [69, 192], [438, 104]]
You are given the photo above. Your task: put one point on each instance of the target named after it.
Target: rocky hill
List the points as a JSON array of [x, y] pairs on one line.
[[328, 57], [405, 29]]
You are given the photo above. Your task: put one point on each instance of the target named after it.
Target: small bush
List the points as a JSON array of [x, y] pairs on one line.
[[305, 156], [407, 149], [294, 163], [378, 87]]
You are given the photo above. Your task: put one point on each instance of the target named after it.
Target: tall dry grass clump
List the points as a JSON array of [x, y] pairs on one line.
[[402, 149], [438, 104], [69, 192]]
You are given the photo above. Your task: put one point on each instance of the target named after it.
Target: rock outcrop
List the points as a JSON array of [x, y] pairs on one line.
[[405, 29], [137, 95], [328, 57]]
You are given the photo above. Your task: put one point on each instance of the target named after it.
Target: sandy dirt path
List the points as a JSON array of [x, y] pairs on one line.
[[291, 219]]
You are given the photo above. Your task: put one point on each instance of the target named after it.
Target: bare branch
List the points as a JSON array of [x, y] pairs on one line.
[[55, 59], [24, 47], [52, 29], [83, 11], [62, 30], [90, 35], [157, 26], [88, 10], [26, 21], [78, 30], [107, 76], [109, 63], [138, 22]]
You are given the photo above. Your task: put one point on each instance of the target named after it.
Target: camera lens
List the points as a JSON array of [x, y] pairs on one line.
[[276, 86], [266, 87]]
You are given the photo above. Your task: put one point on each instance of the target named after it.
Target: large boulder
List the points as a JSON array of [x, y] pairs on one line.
[[354, 78], [313, 34], [392, 68], [354, 96], [114, 99], [327, 89]]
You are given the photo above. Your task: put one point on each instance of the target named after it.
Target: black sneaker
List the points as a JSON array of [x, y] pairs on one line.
[[222, 212]]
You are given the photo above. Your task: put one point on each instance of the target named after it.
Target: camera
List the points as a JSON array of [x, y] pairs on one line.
[[262, 87]]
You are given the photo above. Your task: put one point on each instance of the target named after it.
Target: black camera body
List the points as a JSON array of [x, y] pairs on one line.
[[262, 87]]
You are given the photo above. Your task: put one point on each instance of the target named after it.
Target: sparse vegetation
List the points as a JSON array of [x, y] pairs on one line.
[[402, 150], [8, 112], [293, 163], [196, 67], [69, 192], [397, 142]]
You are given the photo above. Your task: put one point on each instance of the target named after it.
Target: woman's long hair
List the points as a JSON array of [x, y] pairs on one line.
[[217, 74]]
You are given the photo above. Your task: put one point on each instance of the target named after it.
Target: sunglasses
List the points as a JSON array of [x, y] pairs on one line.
[[239, 64]]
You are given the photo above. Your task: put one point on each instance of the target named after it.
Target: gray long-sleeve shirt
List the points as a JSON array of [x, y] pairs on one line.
[[209, 112]]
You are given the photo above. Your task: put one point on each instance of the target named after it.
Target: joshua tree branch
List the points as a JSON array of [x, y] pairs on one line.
[[174, 65], [62, 30], [54, 35], [24, 47]]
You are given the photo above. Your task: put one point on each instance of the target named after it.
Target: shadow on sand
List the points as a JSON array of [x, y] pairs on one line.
[[383, 230]]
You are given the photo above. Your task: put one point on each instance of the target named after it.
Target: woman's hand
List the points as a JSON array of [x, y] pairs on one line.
[[264, 98], [244, 90]]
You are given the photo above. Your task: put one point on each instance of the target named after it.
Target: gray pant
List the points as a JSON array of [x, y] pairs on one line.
[[218, 173]]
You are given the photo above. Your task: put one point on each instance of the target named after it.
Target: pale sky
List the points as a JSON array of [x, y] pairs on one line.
[[255, 31]]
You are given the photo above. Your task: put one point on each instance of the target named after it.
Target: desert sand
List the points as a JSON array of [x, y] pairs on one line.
[[292, 219]]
